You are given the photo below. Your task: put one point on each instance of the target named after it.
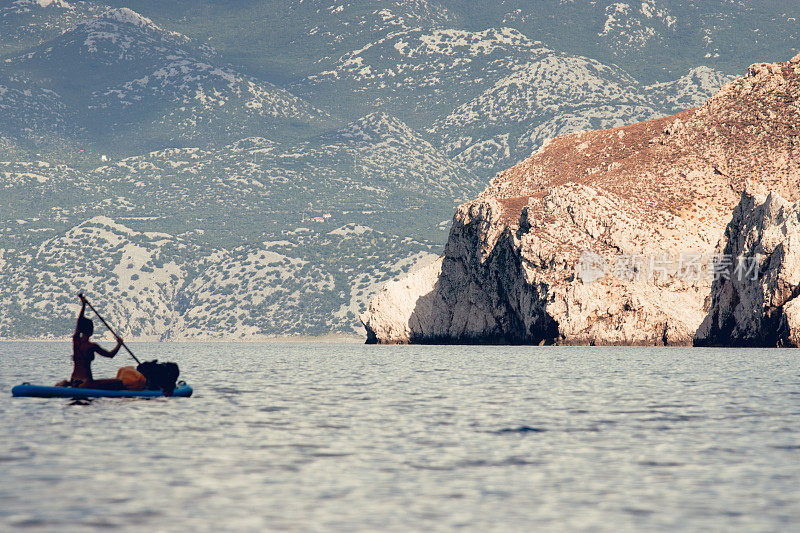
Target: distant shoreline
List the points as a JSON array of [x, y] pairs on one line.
[[351, 339]]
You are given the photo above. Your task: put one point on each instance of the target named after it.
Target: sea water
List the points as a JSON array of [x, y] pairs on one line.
[[313, 437]]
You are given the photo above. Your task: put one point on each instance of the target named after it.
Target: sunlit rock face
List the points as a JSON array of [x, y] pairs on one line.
[[756, 302], [607, 237]]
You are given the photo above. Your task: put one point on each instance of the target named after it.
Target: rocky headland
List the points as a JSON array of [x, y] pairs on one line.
[[637, 235]]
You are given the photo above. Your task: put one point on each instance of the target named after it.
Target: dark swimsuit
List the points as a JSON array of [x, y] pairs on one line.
[[87, 361]]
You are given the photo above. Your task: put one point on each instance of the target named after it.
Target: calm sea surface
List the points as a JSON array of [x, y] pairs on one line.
[[303, 436]]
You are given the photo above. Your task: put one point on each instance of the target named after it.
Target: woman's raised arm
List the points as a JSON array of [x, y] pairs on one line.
[[80, 315]]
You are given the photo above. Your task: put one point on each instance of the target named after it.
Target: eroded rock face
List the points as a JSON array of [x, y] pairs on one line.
[[756, 300], [586, 242], [519, 283]]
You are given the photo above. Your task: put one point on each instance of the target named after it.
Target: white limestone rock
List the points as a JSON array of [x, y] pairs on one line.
[[520, 284], [515, 266], [755, 302]]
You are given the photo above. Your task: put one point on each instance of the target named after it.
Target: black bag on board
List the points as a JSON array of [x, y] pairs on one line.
[[160, 375]]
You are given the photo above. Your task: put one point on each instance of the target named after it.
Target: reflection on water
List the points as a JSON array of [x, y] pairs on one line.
[[341, 436]]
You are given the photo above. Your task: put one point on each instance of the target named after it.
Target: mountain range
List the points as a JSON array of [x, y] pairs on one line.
[[200, 134]]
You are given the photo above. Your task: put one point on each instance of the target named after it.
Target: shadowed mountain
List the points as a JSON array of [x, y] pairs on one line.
[[128, 85]]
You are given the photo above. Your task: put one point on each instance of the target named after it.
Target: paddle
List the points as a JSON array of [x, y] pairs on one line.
[[80, 295]]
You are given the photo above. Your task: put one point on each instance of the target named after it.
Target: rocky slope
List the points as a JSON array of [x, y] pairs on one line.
[[498, 94], [605, 237], [156, 285]]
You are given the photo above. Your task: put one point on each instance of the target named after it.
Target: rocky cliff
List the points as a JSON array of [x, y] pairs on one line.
[[608, 237], [756, 299]]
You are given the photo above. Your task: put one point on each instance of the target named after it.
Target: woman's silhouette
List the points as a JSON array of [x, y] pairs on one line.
[[83, 354]]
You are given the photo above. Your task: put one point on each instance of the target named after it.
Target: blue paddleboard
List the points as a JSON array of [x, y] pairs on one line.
[[41, 391]]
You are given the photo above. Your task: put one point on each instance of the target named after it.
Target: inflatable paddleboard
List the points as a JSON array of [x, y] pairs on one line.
[[41, 391]]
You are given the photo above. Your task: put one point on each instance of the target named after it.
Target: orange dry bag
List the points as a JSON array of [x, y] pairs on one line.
[[131, 378]]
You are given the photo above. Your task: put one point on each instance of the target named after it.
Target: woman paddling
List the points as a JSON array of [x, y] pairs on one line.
[[83, 354]]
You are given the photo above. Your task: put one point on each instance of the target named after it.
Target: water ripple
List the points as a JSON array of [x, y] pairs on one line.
[[306, 437]]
